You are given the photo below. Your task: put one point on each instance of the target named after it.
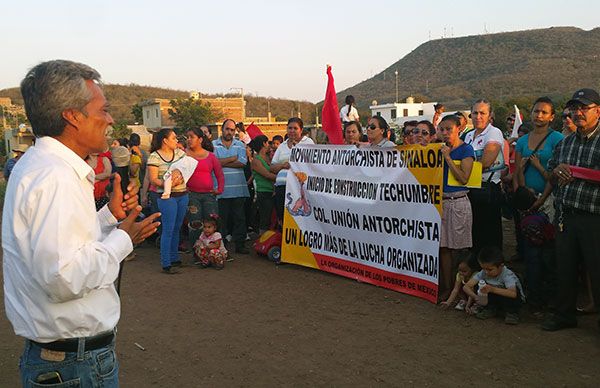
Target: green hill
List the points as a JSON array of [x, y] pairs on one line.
[[123, 97], [554, 61]]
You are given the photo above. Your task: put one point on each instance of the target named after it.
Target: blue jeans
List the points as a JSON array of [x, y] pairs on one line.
[[540, 273], [94, 368], [172, 213]]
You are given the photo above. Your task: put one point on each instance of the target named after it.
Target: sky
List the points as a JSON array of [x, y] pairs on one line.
[[270, 48]]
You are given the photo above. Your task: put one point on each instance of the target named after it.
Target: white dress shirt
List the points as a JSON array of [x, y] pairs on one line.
[[61, 257]]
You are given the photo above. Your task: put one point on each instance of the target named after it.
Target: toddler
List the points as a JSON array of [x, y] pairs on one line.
[[462, 277], [186, 166], [209, 249], [502, 286]]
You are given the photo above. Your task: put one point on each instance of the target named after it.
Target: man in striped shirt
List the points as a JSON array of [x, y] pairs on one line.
[[232, 156]]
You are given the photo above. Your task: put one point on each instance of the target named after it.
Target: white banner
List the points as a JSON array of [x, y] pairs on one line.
[[368, 213]]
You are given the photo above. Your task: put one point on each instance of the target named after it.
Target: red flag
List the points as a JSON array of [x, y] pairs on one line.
[[253, 130], [332, 124]]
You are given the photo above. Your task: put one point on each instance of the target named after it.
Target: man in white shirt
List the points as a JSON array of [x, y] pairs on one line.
[[61, 258]]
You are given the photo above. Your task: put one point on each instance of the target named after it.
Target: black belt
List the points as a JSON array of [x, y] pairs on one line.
[[451, 198], [72, 344]]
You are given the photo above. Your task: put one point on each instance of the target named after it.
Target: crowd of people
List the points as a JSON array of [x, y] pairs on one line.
[[533, 180], [238, 191], [544, 180]]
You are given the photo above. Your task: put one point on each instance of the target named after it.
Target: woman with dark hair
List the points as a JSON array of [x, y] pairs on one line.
[[348, 112], [264, 179], [202, 193], [280, 163], [377, 132], [532, 153], [457, 217], [352, 133], [164, 153], [425, 133]]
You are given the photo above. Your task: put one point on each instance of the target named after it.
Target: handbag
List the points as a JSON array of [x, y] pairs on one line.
[[490, 192]]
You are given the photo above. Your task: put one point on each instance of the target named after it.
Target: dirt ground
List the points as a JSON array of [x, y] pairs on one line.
[[258, 324]]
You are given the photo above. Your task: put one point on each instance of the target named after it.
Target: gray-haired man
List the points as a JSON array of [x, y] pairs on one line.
[[61, 257]]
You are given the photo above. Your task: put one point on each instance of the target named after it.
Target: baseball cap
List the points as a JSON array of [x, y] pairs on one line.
[[585, 97]]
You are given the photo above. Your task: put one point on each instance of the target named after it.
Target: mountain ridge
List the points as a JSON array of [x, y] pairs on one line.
[[457, 71]]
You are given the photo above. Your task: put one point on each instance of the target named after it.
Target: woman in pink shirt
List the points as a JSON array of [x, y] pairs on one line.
[[201, 185]]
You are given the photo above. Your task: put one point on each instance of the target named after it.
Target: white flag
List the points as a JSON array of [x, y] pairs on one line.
[[517, 124]]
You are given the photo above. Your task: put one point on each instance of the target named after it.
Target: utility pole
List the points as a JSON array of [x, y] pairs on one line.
[[396, 72], [3, 117]]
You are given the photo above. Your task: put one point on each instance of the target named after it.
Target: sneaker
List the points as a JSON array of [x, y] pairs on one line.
[[555, 323], [176, 263], [475, 309], [486, 313], [130, 256], [460, 306], [171, 270], [511, 319]]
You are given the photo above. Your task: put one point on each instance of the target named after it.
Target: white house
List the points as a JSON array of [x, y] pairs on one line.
[[397, 113]]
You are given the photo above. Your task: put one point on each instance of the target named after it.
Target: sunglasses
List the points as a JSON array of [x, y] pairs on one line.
[[417, 131], [372, 127], [582, 108]]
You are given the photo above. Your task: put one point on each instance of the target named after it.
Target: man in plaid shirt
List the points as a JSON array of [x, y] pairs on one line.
[[578, 200]]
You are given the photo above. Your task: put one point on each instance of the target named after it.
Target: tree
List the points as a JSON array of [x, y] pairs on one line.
[[189, 113], [138, 114], [120, 130]]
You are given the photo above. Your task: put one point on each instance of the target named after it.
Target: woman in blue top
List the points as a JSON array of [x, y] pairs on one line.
[[457, 217], [531, 160], [535, 149]]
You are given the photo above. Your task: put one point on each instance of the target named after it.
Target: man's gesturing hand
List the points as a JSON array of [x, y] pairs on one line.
[[120, 203], [139, 231]]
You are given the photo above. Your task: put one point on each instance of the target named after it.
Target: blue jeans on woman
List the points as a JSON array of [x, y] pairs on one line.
[[94, 368], [172, 212]]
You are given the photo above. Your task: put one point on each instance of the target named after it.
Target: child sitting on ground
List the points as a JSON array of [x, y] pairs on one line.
[[465, 271], [502, 287], [209, 249]]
